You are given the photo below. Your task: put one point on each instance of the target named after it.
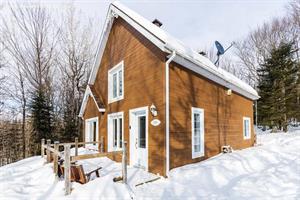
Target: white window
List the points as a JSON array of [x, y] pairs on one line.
[[197, 132], [246, 128], [116, 83], [91, 130], [115, 129]]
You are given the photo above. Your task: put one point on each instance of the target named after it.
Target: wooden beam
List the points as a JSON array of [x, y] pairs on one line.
[[48, 150], [42, 147], [67, 170], [94, 155], [55, 161], [76, 146]]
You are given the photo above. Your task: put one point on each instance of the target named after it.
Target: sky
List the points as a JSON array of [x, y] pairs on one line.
[[198, 23]]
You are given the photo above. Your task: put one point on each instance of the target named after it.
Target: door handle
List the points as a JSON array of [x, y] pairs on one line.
[[136, 143]]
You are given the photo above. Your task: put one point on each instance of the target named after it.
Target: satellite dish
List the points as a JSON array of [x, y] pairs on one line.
[[220, 48]]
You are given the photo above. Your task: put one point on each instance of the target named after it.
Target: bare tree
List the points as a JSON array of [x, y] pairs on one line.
[[77, 46], [29, 38], [256, 47]]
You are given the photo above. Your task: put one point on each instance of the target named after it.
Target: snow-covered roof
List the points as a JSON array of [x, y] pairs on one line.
[[91, 92], [186, 56]]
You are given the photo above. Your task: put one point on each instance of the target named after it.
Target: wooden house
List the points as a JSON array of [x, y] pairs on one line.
[[172, 105]]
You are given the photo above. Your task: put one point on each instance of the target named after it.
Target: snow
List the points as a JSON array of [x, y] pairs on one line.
[[171, 42], [270, 170]]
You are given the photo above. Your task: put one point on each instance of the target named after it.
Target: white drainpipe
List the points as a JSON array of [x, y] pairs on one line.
[[168, 113]]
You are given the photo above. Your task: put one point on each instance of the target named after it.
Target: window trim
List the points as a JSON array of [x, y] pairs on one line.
[[111, 72], [87, 121], [110, 134], [202, 129], [244, 136]]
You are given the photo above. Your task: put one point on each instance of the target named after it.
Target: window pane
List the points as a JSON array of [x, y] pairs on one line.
[[115, 133], [94, 131], [197, 132], [120, 132], [246, 127], [120, 82], [197, 148], [114, 85], [142, 132]]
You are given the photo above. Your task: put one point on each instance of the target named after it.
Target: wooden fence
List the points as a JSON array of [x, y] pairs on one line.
[[53, 153]]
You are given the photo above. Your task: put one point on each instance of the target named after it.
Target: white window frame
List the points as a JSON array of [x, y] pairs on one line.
[[111, 72], [246, 137], [87, 128], [110, 135], [202, 147]]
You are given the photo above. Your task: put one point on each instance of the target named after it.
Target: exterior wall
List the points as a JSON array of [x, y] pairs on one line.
[[143, 85], [91, 111], [223, 116]]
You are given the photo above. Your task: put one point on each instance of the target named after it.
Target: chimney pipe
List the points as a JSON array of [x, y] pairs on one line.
[[157, 22]]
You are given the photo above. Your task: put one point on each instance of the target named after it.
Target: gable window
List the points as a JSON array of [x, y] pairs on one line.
[[115, 131], [115, 83], [197, 132], [246, 128]]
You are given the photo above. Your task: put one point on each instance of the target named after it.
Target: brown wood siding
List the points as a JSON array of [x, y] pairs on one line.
[[143, 85], [223, 116], [91, 111]]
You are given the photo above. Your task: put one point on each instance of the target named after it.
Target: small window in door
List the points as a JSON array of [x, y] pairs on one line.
[[142, 131]]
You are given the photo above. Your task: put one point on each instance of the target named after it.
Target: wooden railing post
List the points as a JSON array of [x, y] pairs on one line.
[[102, 144], [76, 146], [48, 151], [55, 160], [67, 170], [42, 147], [124, 162]]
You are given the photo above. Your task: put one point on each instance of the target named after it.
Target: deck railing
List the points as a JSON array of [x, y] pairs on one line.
[[53, 153]]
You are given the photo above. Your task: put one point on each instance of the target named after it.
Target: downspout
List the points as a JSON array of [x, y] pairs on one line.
[[168, 113]]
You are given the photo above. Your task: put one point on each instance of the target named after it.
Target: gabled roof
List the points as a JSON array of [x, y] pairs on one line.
[[90, 92], [185, 56]]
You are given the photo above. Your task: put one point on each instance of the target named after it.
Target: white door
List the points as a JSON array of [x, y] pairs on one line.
[[139, 137]]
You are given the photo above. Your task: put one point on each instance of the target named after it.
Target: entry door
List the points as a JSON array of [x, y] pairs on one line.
[[139, 138]]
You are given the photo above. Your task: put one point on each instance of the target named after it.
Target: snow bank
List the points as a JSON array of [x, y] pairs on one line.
[[267, 171]]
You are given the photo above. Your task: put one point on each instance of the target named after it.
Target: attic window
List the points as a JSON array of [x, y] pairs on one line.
[[116, 83], [157, 22]]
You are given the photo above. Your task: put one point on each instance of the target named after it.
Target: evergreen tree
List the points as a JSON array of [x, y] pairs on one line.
[[277, 87], [42, 113]]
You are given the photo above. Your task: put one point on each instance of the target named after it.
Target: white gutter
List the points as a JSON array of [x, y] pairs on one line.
[[168, 113]]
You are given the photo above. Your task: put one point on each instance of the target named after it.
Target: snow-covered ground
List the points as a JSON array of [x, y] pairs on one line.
[[271, 170]]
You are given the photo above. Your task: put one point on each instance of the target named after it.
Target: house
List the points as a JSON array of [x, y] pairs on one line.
[[172, 105]]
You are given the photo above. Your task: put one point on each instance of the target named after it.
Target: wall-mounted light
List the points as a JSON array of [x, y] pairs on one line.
[[229, 92], [153, 110]]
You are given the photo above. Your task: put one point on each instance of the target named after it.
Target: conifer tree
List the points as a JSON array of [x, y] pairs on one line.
[[42, 114], [277, 87]]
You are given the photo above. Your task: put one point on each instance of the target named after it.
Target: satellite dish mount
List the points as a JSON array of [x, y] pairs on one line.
[[221, 50]]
